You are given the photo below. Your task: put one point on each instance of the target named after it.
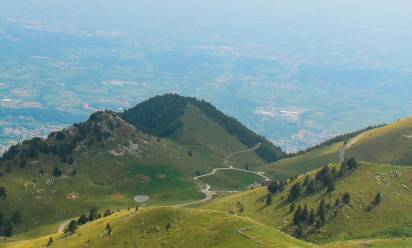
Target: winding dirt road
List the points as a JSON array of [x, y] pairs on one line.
[[209, 194], [206, 190]]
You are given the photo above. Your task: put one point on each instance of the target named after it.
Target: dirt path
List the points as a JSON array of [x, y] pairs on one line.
[[63, 226], [342, 151], [209, 194], [226, 159], [260, 174]]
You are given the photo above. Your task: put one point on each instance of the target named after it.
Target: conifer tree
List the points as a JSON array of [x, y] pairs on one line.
[[346, 198], [297, 215], [268, 199]]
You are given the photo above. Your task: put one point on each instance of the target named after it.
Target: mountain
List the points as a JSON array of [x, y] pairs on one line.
[[107, 160], [172, 115], [362, 217], [169, 227]]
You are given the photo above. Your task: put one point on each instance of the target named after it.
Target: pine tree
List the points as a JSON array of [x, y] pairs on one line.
[[311, 187], [331, 187], [50, 242], [57, 172], [269, 199], [334, 172], [378, 199], [342, 170], [352, 163], [109, 229], [298, 231], [312, 217], [337, 203], [322, 212], [295, 192], [305, 214], [82, 219], [93, 214], [107, 213], [306, 181], [346, 198], [16, 218], [72, 227], [8, 229], [297, 215], [292, 207]]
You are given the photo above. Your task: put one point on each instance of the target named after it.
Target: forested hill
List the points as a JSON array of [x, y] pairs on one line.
[[160, 116]]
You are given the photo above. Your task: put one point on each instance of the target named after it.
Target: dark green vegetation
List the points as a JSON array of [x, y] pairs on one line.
[[161, 116], [105, 161]]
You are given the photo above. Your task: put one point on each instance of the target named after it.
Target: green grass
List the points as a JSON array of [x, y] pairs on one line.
[[225, 180], [201, 135], [187, 228], [162, 170], [378, 243], [390, 144], [391, 218], [303, 163]]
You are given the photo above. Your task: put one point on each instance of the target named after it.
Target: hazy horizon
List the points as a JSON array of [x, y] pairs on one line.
[[297, 72]]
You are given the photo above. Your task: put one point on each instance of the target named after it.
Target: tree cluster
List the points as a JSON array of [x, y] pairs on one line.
[[325, 178], [92, 216], [275, 187], [7, 225]]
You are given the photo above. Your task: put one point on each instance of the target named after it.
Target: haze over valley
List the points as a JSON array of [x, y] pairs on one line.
[[282, 68]]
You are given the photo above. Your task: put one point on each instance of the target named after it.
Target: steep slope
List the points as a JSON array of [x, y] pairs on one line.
[[358, 219], [169, 227], [102, 163], [378, 243], [333, 150], [165, 116], [105, 162], [391, 144], [302, 163]]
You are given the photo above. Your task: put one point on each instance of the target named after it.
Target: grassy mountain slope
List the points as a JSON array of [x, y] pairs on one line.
[[106, 161], [169, 227], [305, 162], [385, 144], [391, 144], [161, 116], [228, 180], [201, 135], [389, 219], [378, 243], [105, 173]]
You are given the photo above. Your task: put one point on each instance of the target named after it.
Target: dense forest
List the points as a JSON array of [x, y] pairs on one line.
[[160, 116]]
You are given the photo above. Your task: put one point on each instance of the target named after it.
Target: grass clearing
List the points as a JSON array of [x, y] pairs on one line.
[[231, 180]]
